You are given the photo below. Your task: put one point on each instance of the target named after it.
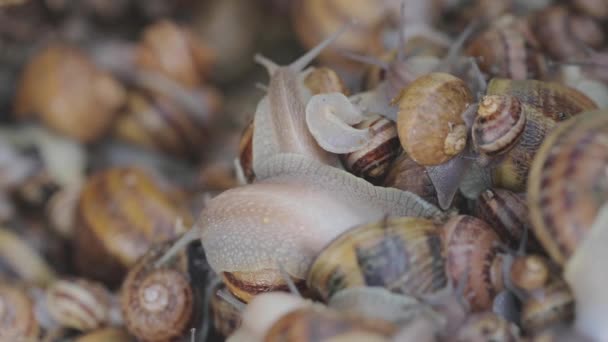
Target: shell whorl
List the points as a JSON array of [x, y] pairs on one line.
[[499, 123]]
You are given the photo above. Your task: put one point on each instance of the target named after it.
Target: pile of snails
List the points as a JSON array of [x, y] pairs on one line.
[[437, 175]]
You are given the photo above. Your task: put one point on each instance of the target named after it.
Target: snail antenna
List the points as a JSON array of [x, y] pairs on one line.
[[290, 284]]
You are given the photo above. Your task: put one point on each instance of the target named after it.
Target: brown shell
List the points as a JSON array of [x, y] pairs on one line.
[[69, 94], [246, 285], [402, 254], [508, 49], [406, 174], [547, 306], [595, 8], [568, 184], [325, 80], [546, 104], [499, 124], [487, 326], [565, 34], [472, 248], [315, 20], [171, 50], [163, 123], [430, 124], [121, 213], [507, 213], [78, 303], [316, 323], [17, 317], [529, 272], [374, 160], [157, 302], [246, 152], [226, 318]]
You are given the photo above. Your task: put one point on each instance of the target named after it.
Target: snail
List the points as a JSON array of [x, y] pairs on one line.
[[407, 175], [226, 318], [69, 93], [157, 303], [286, 212], [81, 304], [547, 306], [122, 211], [487, 326], [17, 315]]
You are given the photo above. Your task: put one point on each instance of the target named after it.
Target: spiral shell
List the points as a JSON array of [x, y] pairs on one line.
[[173, 51], [529, 272], [123, 211], [472, 248], [79, 304], [157, 302], [373, 161], [17, 317], [320, 324], [567, 183], [431, 128], [565, 34], [402, 255], [546, 104], [547, 306], [406, 174], [69, 93], [508, 49]]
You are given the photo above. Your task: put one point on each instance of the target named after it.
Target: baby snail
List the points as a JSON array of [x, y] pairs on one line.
[[571, 228], [564, 34], [158, 302], [69, 93], [547, 306], [17, 314], [282, 220], [507, 48], [81, 304], [122, 211], [512, 121]]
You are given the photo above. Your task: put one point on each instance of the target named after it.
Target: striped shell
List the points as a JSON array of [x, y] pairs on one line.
[[547, 306], [121, 213], [79, 304], [547, 103], [472, 248], [568, 183], [430, 124], [157, 302], [407, 175], [17, 318], [402, 254], [499, 124], [373, 161]]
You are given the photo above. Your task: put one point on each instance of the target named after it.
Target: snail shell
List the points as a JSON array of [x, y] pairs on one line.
[[529, 272], [79, 304], [431, 128], [407, 175], [471, 248], [17, 316], [325, 80], [487, 326], [546, 103], [547, 306], [567, 184], [402, 254], [63, 87], [157, 302], [123, 211]]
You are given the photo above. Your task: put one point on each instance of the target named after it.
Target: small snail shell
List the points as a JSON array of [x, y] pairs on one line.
[[325, 80], [569, 163], [157, 302], [508, 49], [315, 20], [471, 248], [17, 318], [69, 93], [529, 272], [373, 161], [316, 323], [79, 304], [123, 211], [163, 123], [546, 103], [595, 8], [226, 318], [245, 159], [563, 34], [403, 255], [105, 334], [547, 306], [487, 326], [430, 126], [407, 175], [171, 50]]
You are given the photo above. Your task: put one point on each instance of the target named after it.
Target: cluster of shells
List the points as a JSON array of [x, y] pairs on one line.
[[441, 174]]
